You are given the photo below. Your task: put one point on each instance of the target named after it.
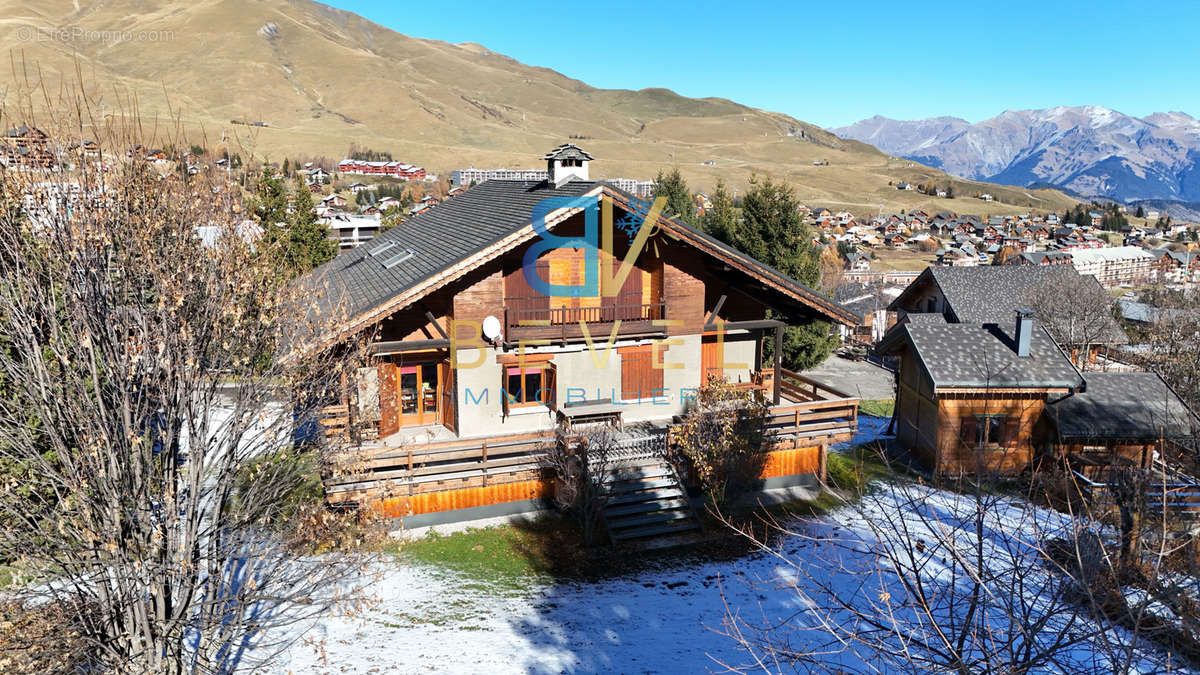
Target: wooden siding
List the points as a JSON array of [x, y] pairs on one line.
[[1016, 451], [480, 295], [465, 498], [795, 462], [683, 291]]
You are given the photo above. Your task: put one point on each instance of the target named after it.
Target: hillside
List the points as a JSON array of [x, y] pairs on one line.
[[1090, 150], [322, 79]]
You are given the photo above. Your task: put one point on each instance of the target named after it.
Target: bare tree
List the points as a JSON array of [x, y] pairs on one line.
[[145, 401], [582, 462], [970, 578], [1077, 312]]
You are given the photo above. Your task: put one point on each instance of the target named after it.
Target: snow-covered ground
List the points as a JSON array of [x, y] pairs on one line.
[[429, 619]]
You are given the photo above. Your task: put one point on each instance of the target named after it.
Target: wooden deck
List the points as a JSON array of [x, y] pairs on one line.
[[813, 417]]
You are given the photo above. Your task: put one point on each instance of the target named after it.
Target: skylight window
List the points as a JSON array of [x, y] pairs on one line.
[[397, 259], [378, 250]]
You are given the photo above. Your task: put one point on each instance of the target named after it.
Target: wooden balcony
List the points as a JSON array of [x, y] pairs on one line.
[[811, 414], [810, 410], [376, 470], [562, 324]]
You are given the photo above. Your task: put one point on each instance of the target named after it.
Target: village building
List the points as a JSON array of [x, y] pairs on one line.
[[478, 363], [1117, 266], [983, 387]]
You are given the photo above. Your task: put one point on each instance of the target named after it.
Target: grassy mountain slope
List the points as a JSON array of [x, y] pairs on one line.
[[322, 79]]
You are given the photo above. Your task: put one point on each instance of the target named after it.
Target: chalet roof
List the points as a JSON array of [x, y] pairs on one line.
[[357, 287], [993, 293], [1124, 406], [567, 151], [960, 355]]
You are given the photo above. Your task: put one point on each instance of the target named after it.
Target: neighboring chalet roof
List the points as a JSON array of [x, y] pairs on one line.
[[360, 288], [567, 151], [1123, 406], [993, 293], [957, 355]]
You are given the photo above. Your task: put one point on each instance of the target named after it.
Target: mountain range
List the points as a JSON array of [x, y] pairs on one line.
[[319, 79], [1090, 151]]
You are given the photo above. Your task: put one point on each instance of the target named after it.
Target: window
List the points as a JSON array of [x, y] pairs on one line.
[[639, 377], [988, 431], [529, 385]]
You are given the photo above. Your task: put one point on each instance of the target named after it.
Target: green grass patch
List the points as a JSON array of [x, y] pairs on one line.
[[854, 469], [506, 555], [882, 407]]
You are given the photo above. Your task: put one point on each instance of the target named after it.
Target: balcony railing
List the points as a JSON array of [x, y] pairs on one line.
[[563, 323]]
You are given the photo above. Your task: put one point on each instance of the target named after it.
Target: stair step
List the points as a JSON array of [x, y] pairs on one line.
[[656, 530], [626, 486], [638, 474], [637, 497], [648, 519], [648, 506]]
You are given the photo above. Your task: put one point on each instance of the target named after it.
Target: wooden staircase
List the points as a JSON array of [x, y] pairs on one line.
[[647, 505]]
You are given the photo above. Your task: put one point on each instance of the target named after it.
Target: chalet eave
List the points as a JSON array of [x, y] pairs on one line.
[[414, 293]]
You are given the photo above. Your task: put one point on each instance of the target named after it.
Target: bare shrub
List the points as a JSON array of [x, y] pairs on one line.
[[720, 440], [147, 374]]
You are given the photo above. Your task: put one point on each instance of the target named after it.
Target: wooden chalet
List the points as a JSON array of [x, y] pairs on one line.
[[477, 368], [980, 392]]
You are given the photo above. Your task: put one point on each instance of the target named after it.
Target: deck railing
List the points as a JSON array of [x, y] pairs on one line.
[[434, 467], [564, 322], [815, 413], [1175, 493]]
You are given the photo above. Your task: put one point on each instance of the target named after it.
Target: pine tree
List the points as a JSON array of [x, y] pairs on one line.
[[772, 231], [679, 198], [721, 221], [308, 242], [1140, 213]]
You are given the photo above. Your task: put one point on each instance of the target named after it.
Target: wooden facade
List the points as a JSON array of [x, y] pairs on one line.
[[446, 410]]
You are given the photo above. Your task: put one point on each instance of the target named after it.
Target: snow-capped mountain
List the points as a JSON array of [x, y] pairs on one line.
[[1090, 150]]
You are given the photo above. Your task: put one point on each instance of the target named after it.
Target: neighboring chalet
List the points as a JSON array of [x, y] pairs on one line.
[[991, 294], [984, 387], [476, 368]]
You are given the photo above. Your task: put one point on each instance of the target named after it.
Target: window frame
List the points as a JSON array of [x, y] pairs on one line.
[[544, 395]]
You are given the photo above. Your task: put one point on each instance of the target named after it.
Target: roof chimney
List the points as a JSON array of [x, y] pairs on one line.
[[1024, 332], [565, 163]]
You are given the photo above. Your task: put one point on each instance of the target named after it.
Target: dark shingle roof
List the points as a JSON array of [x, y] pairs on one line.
[[567, 151], [962, 355], [357, 281], [993, 293], [361, 280], [1126, 406]]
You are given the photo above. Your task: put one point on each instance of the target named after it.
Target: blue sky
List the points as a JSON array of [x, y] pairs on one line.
[[833, 63]]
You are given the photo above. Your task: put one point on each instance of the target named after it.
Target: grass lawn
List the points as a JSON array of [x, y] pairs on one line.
[[901, 260], [877, 407], [510, 557]]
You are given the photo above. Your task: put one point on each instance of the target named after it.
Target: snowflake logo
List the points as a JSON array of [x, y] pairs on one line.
[[639, 209]]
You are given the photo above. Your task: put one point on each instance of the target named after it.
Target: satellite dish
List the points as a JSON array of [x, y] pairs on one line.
[[491, 328]]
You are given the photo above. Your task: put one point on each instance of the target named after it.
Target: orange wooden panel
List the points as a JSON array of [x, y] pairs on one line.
[[793, 462], [465, 498]]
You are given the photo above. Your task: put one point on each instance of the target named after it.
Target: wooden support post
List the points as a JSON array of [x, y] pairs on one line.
[[775, 397], [483, 466], [410, 472]]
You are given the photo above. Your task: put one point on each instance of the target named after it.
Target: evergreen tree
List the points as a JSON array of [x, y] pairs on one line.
[[295, 240], [721, 220], [286, 167], [772, 231], [1141, 213], [269, 203], [679, 198], [308, 242]]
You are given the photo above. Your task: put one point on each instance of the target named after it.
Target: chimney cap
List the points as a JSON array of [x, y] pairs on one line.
[[567, 151], [1024, 313]]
